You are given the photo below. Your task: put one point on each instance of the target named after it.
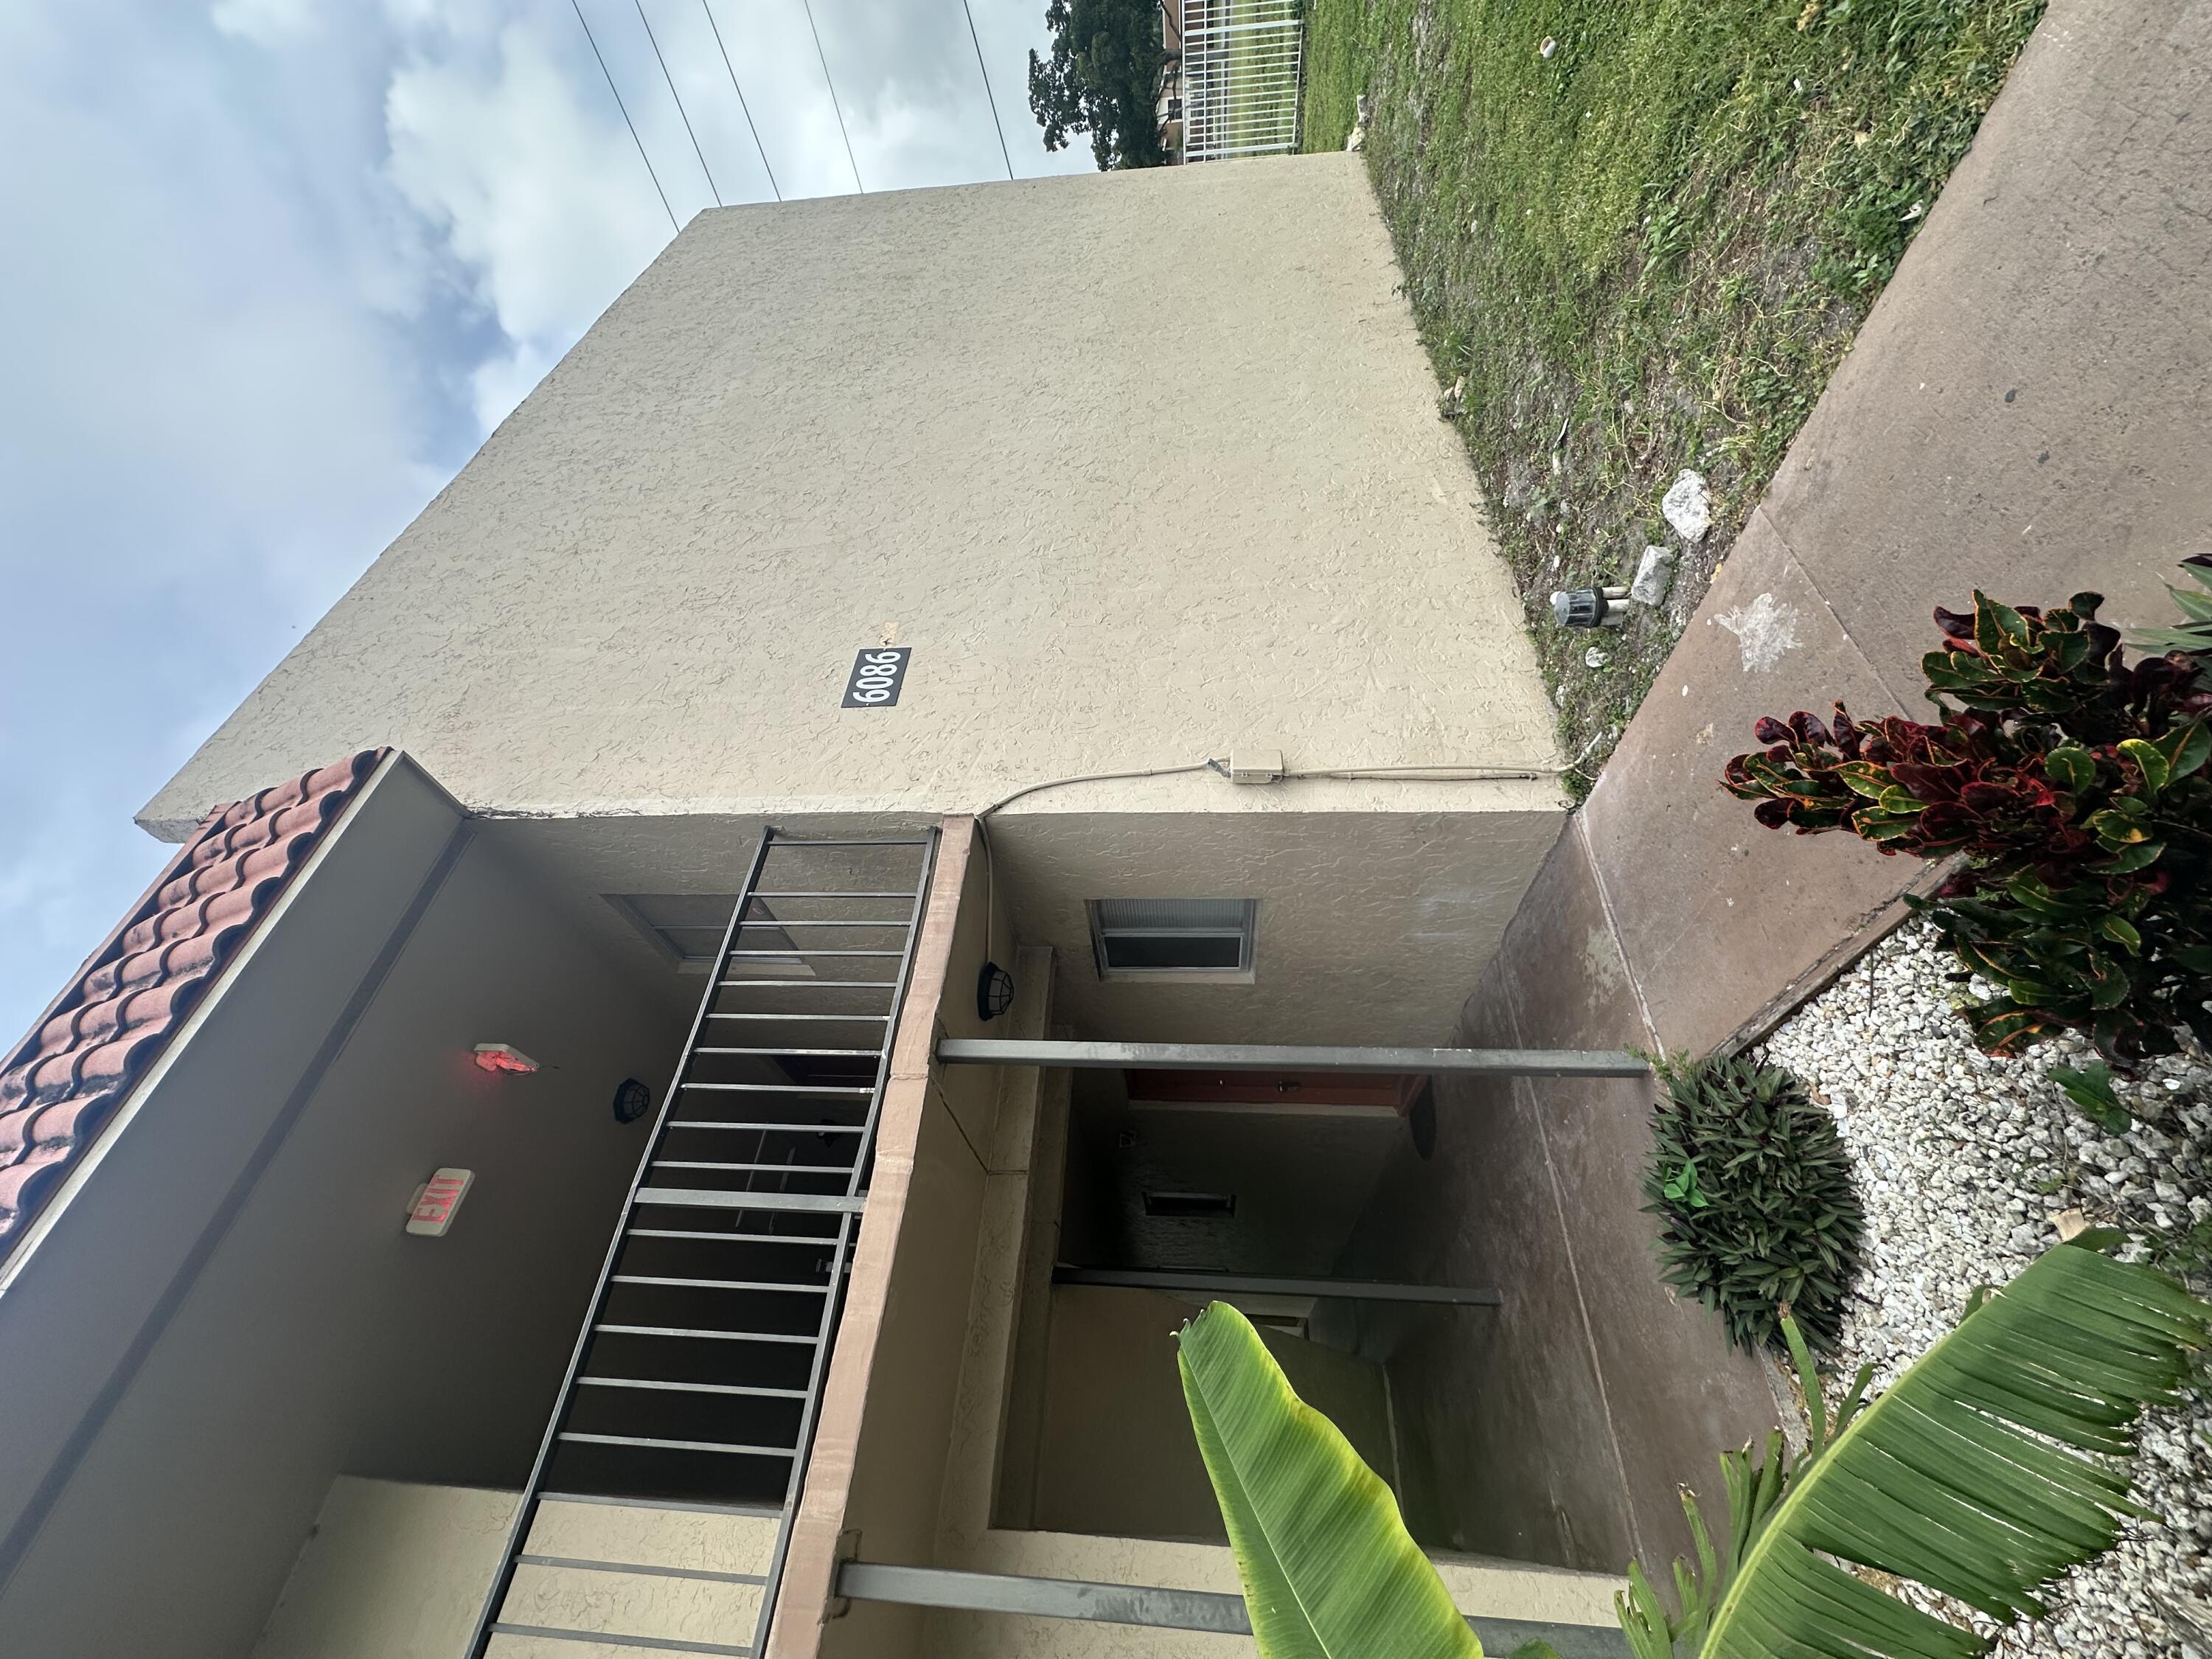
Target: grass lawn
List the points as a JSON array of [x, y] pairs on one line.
[[1663, 237]]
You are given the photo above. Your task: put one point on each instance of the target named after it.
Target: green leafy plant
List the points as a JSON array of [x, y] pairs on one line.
[[1328, 1569], [2195, 635], [2072, 788], [2090, 1088], [1681, 1188], [1997, 1464], [1753, 1189], [2184, 1251]]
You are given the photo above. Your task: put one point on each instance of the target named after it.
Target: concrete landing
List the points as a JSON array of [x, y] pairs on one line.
[[2028, 410], [394, 1570]]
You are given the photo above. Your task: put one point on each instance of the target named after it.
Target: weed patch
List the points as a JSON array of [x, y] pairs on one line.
[[1646, 251]]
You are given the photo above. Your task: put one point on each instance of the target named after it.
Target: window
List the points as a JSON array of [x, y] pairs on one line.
[[687, 929], [1192, 939]]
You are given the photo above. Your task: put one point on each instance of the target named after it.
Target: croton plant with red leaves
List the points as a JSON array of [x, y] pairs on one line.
[[2071, 787]]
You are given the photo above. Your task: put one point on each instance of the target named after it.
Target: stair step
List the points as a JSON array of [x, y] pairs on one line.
[[696, 1536], [824, 892], [785, 1088], [539, 1642], [754, 1168], [798, 950], [602, 1603], [691, 1331], [820, 921], [662, 1386], [772, 1128], [720, 1284], [794, 844], [650, 1571], [652, 1443], [818, 1240], [853, 1018], [839, 1054], [708, 1199], [812, 985]]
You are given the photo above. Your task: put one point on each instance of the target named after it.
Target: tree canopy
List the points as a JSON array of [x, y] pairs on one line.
[[1103, 78]]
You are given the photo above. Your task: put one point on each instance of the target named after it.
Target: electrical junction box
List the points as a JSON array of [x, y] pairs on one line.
[[437, 1201], [1252, 765]]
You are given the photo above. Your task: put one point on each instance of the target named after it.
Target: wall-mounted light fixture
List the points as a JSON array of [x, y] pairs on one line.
[[503, 1057], [995, 992]]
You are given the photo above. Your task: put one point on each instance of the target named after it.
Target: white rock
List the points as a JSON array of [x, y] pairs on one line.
[[1597, 658], [1654, 574], [1688, 506], [1949, 1146]]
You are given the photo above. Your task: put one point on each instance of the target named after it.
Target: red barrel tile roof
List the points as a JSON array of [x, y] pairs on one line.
[[65, 1081]]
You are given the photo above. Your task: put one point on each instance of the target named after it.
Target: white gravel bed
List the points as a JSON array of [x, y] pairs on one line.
[[1963, 1164]]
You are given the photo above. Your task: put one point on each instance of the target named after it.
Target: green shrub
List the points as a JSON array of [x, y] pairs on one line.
[[1752, 1188], [2195, 633], [2071, 787]]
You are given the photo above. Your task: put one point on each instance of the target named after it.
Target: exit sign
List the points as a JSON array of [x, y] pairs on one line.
[[438, 1201]]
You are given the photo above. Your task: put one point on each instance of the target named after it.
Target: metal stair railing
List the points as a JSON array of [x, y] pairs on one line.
[[696, 1378]]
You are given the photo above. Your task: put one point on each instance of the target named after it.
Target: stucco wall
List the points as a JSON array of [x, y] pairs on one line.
[[1140, 465], [1118, 1453], [392, 1571], [398, 1571], [228, 1312], [1372, 925]]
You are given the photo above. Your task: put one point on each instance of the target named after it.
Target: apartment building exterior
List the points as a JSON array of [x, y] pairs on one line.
[[515, 1185]]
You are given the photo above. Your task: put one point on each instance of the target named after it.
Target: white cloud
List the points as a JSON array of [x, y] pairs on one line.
[[280, 264], [499, 384], [540, 206], [265, 22]]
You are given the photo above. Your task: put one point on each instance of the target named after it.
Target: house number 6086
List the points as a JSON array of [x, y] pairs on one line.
[[876, 677]]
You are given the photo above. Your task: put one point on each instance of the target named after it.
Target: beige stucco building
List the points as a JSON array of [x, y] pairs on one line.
[[1210, 721]]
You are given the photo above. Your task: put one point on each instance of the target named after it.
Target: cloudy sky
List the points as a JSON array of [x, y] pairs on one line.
[[274, 268]]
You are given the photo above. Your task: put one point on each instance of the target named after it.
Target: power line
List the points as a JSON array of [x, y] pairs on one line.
[[712, 187], [985, 74], [742, 104], [627, 122], [834, 103]]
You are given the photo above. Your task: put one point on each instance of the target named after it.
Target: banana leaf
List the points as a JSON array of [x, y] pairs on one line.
[[1996, 1465], [1328, 1569]]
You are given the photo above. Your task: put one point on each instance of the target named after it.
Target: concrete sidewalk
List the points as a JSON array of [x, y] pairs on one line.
[[2028, 409]]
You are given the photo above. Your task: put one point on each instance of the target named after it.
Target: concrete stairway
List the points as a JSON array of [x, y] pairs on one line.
[[671, 1580]]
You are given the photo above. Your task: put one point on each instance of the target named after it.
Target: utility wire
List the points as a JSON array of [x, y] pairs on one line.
[[1443, 772], [834, 103], [712, 187], [627, 122], [983, 821], [985, 74], [742, 104]]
